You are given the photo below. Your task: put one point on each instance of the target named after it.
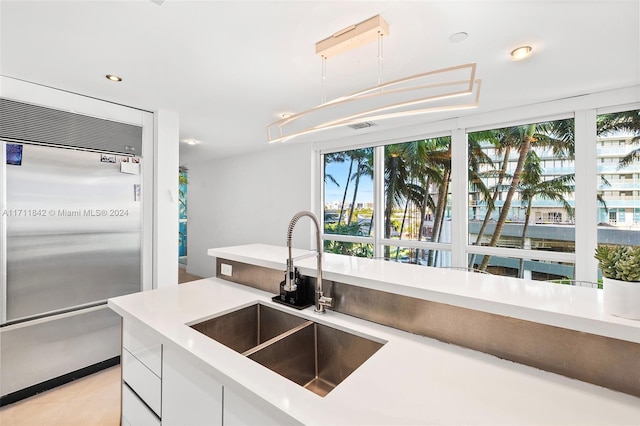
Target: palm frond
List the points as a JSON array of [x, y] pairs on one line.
[[628, 159]]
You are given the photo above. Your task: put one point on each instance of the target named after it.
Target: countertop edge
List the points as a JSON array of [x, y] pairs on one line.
[[594, 322], [159, 311]]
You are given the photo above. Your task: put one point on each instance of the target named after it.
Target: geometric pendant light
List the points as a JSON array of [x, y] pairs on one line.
[[452, 88]]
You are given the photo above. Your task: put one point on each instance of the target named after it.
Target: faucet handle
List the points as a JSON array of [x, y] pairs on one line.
[[325, 301]]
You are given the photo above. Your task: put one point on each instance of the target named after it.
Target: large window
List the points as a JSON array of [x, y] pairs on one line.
[[348, 201], [505, 200], [619, 177], [521, 194], [417, 203]]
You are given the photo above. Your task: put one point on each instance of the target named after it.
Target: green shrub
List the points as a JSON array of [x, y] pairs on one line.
[[619, 262]]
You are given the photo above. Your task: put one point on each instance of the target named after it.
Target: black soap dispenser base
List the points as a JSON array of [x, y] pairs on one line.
[[279, 300], [300, 298]]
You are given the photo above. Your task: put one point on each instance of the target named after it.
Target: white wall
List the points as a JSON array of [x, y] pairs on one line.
[[165, 176], [248, 199]]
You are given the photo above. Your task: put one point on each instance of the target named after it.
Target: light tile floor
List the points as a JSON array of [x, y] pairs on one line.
[[91, 401]]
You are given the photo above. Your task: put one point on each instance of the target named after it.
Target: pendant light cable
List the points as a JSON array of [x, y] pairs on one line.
[[324, 77], [380, 59]]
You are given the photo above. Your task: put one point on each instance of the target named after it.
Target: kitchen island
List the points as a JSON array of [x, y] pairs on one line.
[[411, 379]]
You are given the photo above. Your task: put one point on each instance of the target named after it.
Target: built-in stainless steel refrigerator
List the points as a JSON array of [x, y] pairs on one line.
[[71, 239]]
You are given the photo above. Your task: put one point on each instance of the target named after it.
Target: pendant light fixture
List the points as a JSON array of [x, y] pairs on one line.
[[446, 89]]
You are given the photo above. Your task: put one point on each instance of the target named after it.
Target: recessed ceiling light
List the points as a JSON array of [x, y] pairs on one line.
[[458, 37], [520, 53], [191, 141], [113, 77]]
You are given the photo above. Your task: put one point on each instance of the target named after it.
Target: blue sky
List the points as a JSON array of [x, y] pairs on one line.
[[339, 171]]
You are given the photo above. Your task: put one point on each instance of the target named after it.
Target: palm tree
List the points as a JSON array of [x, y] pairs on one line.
[[397, 182], [410, 170], [558, 135], [442, 159], [533, 185], [524, 146], [504, 141], [404, 218], [334, 157], [346, 188], [622, 122], [428, 174], [477, 158], [364, 167]]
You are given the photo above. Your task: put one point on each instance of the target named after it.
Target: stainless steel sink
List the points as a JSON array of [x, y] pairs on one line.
[[248, 327], [313, 355]]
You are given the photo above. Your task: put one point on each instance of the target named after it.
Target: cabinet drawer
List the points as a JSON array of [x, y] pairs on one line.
[[135, 412], [142, 380], [142, 344]]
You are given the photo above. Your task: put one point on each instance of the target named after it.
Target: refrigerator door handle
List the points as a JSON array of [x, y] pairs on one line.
[[27, 322], [3, 233]]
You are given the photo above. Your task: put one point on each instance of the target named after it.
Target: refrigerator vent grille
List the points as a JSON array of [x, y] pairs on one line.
[[33, 123]]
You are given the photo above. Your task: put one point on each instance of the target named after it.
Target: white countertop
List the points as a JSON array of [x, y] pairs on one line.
[[571, 307], [410, 380]]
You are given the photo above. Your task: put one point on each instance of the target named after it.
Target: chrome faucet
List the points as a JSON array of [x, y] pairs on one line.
[[320, 300]]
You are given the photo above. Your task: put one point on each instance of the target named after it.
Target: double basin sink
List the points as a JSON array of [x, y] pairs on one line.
[[315, 356]]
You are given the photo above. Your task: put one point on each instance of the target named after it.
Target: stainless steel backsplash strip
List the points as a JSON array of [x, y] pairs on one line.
[[253, 276], [600, 360]]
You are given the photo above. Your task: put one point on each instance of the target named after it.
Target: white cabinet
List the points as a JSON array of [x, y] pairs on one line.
[[240, 411], [190, 396], [141, 375], [136, 412], [142, 381], [165, 385], [143, 344]]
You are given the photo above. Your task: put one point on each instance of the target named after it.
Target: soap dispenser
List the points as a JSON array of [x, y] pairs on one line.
[[292, 297], [298, 297]]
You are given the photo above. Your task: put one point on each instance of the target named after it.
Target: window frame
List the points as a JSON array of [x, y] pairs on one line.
[[378, 241], [584, 112]]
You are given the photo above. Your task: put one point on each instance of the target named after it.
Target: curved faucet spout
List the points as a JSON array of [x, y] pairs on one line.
[[320, 299]]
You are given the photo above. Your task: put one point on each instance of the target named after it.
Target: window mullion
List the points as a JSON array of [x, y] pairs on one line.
[[378, 200], [586, 211], [459, 197]]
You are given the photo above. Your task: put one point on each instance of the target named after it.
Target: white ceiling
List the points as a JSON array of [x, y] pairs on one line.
[[229, 68]]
